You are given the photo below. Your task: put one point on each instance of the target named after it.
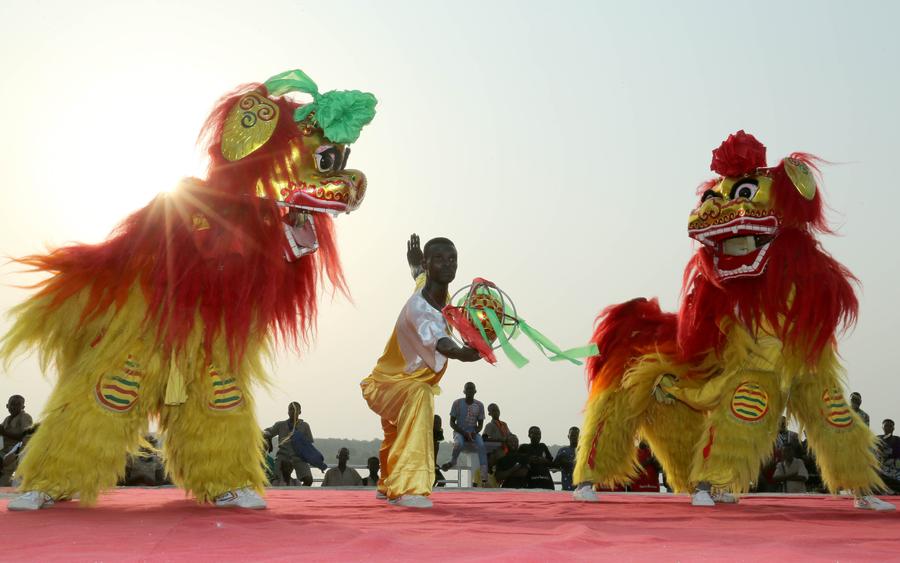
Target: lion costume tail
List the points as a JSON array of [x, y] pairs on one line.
[[625, 332]]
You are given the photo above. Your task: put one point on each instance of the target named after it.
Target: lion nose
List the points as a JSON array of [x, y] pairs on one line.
[[357, 182]]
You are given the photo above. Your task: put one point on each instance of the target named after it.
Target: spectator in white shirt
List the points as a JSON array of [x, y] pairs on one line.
[[791, 471], [342, 476]]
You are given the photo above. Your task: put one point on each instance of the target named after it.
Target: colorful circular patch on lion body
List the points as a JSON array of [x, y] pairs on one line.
[[226, 394], [118, 390], [836, 411], [749, 402]]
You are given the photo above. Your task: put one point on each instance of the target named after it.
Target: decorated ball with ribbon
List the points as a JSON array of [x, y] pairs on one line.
[[485, 318], [477, 304]]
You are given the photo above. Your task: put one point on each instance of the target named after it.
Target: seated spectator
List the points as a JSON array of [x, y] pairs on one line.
[[784, 437], [511, 470], [438, 433], [466, 420], [496, 431], [791, 471], [855, 403], [648, 480], [286, 459], [565, 460], [889, 456], [491, 482], [374, 465], [814, 482], [13, 431], [17, 453], [765, 482], [271, 470], [539, 460], [146, 468], [342, 476]]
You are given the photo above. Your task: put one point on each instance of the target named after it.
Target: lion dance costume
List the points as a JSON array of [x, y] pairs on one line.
[[755, 334], [173, 315]]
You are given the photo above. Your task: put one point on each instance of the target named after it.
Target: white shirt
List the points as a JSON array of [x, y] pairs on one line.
[[796, 467], [419, 327]]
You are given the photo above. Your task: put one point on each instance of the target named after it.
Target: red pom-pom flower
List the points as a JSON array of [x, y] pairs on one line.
[[738, 155]]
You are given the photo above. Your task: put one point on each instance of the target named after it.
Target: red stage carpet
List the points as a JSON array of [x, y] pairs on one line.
[[325, 525]]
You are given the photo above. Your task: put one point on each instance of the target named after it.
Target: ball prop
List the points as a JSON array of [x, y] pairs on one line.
[[485, 318]]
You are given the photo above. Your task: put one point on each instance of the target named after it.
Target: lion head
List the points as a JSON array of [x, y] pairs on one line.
[[743, 211], [263, 144], [759, 262]]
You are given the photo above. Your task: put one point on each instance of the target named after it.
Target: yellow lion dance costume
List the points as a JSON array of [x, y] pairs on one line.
[[173, 316], [755, 334]]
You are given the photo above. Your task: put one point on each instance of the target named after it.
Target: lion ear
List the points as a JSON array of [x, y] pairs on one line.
[[248, 126], [801, 176]]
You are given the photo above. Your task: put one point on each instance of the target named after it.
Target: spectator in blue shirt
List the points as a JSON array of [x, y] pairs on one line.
[[466, 420], [565, 460]]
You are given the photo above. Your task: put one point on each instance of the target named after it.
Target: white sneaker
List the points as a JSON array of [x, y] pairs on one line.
[[32, 500], [702, 498], [242, 498], [412, 501], [585, 493], [870, 502], [380, 496], [725, 498]]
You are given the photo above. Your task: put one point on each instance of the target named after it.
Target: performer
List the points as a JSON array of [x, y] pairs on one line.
[[172, 316], [402, 386], [755, 334]]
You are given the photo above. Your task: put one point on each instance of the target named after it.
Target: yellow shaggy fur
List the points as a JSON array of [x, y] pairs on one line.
[[695, 432], [81, 446]]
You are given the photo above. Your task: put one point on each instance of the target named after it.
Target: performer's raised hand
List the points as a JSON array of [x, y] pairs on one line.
[[414, 256]]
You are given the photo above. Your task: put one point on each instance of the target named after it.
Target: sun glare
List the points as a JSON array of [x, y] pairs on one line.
[[115, 166]]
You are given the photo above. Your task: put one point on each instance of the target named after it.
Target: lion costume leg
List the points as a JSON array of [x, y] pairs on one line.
[[606, 453], [672, 431], [90, 424], [212, 442], [739, 432], [843, 445]]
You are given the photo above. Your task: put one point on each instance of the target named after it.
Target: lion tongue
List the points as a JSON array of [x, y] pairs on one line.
[[739, 246]]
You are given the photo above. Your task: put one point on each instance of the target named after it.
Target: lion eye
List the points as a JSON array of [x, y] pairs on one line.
[[327, 158], [709, 194], [745, 189]]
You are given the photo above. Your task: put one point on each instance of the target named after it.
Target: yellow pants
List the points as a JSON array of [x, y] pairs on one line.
[[406, 408]]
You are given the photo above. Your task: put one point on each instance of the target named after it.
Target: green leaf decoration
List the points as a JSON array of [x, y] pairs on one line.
[[343, 114], [291, 81]]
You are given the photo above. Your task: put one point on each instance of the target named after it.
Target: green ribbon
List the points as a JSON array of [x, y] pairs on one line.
[[514, 356], [544, 344], [291, 81], [553, 352], [473, 316]]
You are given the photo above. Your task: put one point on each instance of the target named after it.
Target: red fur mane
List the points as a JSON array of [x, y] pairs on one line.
[[804, 295], [232, 274], [624, 332]]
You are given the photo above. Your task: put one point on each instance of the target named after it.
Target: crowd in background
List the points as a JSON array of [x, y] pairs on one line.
[[502, 460]]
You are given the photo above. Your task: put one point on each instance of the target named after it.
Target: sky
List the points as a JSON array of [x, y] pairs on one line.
[[559, 144]]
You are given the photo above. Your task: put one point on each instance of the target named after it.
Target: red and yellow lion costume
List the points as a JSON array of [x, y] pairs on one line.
[[755, 334], [173, 316]]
